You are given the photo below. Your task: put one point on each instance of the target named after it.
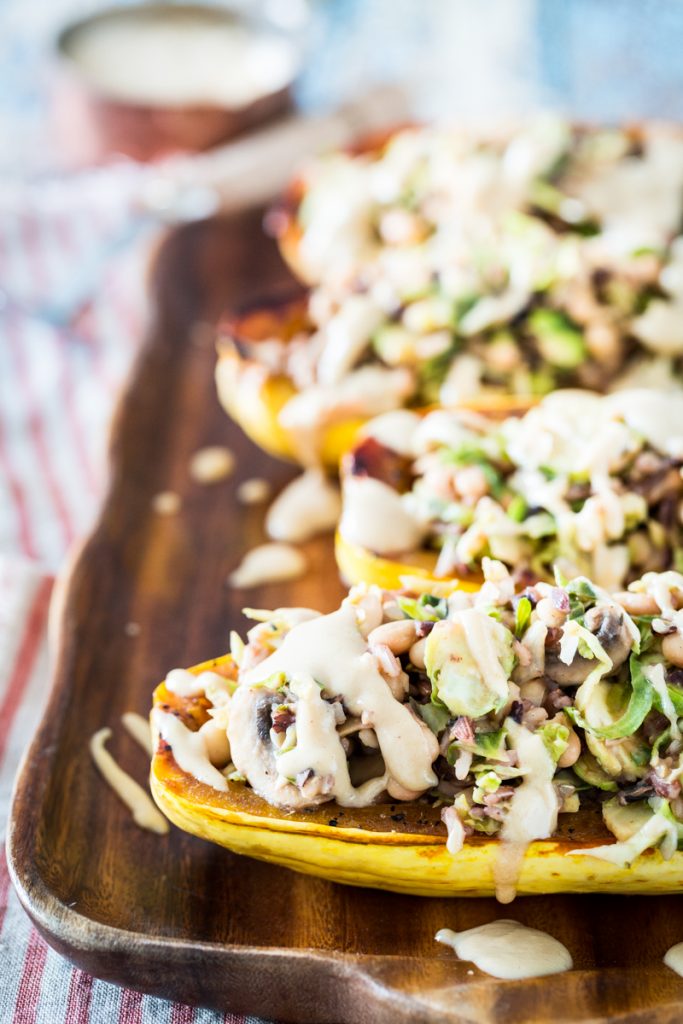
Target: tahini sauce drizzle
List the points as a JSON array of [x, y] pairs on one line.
[[673, 958], [268, 563], [395, 430], [310, 504], [533, 808], [331, 651], [138, 728], [145, 814], [375, 517], [184, 683], [509, 950], [189, 749]]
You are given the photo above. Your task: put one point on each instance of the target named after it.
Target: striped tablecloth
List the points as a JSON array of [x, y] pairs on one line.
[[72, 309]]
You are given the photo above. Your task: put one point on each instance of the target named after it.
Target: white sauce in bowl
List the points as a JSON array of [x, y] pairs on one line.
[[168, 57], [509, 950]]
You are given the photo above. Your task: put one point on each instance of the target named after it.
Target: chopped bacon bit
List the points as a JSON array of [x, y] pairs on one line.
[[282, 719], [502, 793], [463, 730], [669, 790], [560, 599], [423, 629], [557, 699]]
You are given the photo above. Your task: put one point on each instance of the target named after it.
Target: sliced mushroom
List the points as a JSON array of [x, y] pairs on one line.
[[252, 751], [608, 624]]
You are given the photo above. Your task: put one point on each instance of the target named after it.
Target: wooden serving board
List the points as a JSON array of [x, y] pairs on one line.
[[176, 916]]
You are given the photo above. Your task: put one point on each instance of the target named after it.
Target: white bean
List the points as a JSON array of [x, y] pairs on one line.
[[571, 754], [549, 614], [397, 636], [533, 691], [637, 604], [417, 653]]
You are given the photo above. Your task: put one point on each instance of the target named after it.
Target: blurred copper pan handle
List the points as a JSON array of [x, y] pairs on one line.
[[254, 169]]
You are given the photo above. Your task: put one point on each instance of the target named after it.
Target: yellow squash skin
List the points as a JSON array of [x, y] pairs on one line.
[[368, 847], [357, 564]]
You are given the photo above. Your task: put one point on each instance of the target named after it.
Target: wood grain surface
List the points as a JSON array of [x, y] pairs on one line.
[[179, 917]]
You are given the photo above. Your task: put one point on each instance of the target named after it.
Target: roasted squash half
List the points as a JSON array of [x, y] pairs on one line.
[[399, 847]]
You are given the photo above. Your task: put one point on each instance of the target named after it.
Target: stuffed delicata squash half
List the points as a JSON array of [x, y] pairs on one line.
[[442, 742], [585, 483], [545, 256]]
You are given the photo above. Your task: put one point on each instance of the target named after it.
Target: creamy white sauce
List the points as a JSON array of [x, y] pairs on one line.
[[454, 827], [567, 432], [139, 728], [638, 199], [348, 335], [441, 427], [396, 430], [167, 503], [268, 563], [509, 950], [375, 517], [253, 491], [481, 634], [624, 853], [655, 674], [177, 60], [212, 464], [330, 652], [309, 505], [660, 586], [578, 431], [533, 808], [189, 749], [659, 327], [673, 958], [657, 415], [184, 683], [145, 814]]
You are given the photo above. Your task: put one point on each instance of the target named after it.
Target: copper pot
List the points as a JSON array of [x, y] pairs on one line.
[[91, 125]]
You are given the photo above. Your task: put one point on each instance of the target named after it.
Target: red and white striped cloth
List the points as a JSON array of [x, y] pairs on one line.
[[71, 319]]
